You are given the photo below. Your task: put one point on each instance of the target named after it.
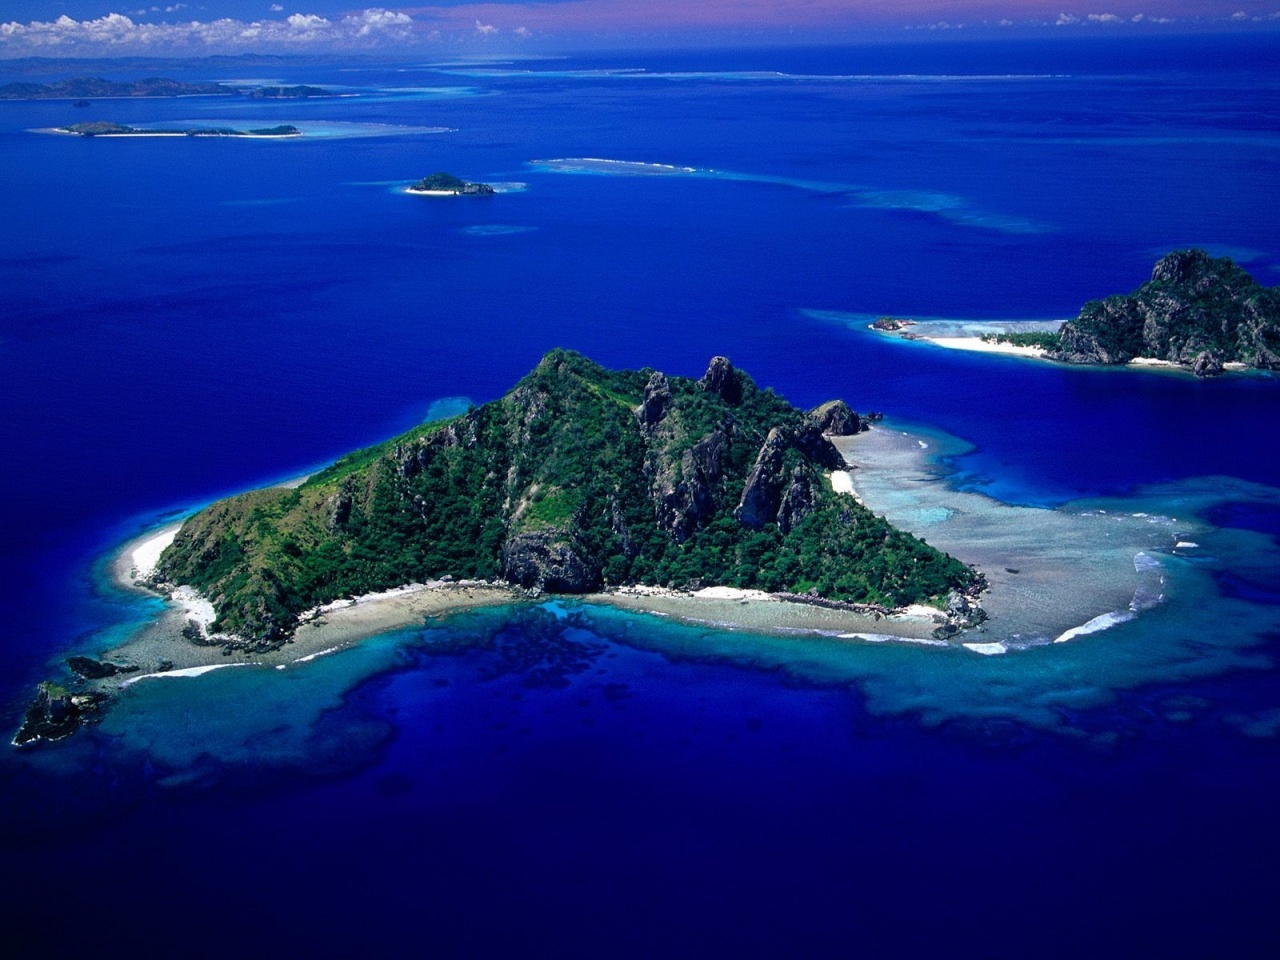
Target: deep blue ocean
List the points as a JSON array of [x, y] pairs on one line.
[[181, 319]]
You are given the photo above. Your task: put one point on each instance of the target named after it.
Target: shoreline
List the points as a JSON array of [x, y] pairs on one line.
[[955, 339]]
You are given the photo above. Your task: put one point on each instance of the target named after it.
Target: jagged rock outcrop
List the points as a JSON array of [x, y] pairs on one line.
[[56, 713], [90, 669], [657, 398], [1197, 310], [798, 500], [548, 560], [834, 418], [762, 496], [685, 497], [722, 380]]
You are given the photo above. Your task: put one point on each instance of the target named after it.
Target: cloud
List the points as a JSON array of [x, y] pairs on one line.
[[491, 21], [117, 33]]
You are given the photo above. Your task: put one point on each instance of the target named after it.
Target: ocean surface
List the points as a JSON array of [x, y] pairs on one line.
[[181, 319]]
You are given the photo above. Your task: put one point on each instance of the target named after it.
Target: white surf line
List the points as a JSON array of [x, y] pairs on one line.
[[187, 672], [986, 649], [311, 656], [1096, 625]]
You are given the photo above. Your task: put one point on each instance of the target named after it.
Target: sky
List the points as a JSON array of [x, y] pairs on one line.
[[132, 27]]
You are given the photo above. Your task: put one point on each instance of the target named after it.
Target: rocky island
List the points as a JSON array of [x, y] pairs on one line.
[[104, 128], [579, 480], [447, 185], [1196, 311], [84, 88]]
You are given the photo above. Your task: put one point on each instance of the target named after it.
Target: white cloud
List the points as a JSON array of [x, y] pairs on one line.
[[485, 29], [523, 32], [1104, 18], [276, 8], [117, 33], [380, 22]]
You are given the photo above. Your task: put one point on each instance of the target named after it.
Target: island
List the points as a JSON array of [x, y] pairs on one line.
[[84, 88], [447, 185], [1197, 313], [579, 481], [104, 128], [295, 92]]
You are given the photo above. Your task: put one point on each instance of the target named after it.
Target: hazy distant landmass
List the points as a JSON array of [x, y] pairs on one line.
[[105, 128], [97, 88]]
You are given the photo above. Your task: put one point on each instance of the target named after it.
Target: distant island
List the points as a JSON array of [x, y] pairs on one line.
[[579, 480], [1199, 313], [447, 185], [103, 128], [1196, 311], [297, 92], [84, 88]]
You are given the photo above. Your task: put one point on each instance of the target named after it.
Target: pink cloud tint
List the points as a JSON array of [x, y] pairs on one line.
[[655, 16]]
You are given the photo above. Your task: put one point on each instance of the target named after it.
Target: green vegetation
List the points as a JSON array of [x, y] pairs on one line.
[[104, 128], [1195, 310], [447, 182], [578, 478], [96, 87], [1044, 339], [296, 92], [283, 130]]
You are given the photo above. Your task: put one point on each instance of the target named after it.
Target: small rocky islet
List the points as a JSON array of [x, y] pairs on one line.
[[447, 183]]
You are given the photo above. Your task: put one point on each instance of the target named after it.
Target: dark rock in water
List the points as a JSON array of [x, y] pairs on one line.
[[549, 560], [1208, 364], [835, 418], [56, 713], [91, 669], [723, 380], [164, 666]]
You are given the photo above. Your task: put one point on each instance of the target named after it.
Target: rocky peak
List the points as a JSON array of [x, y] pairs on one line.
[[836, 419], [722, 380], [657, 399]]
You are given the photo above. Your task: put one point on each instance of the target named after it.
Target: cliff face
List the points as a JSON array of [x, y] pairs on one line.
[[1196, 310], [578, 478]]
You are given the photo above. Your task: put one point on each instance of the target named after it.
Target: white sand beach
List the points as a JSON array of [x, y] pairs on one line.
[[978, 345]]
